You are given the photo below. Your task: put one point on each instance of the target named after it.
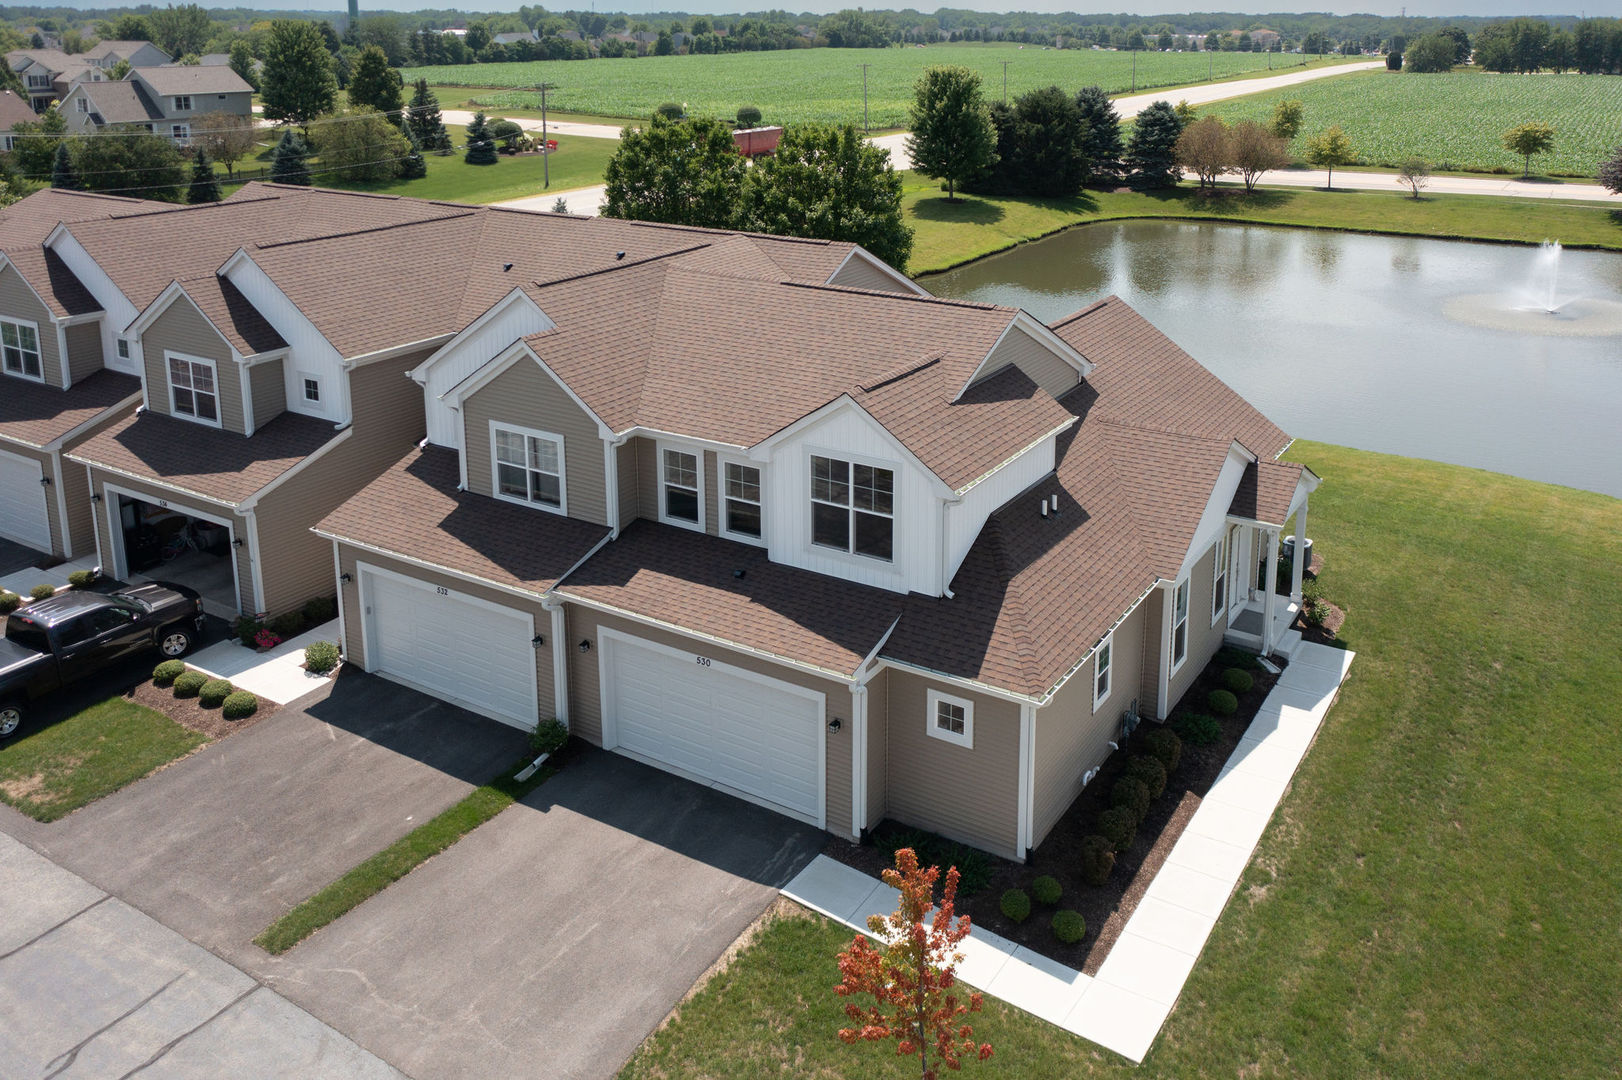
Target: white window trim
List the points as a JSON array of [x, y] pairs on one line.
[[219, 396], [1107, 670], [186, 107], [722, 461], [84, 103], [1219, 573], [320, 400], [180, 133], [39, 351], [121, 349], [935, 699], [851, 554], [562, 508], [1178, 661], [659, 475]]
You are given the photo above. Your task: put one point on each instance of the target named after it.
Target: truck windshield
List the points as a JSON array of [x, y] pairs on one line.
[[27, 634], [132, 602]]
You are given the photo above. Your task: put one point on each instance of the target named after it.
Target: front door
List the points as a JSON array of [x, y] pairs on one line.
[[1238, 588]]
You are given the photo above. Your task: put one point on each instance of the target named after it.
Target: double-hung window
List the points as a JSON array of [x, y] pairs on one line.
[[1103, 663], [740, 514], [183, 103], [181, 133], [528, 467], [853, 507], [951, 718], [681, 498], [193, 392], [1179, 624], [19, 345], [1219, 578]]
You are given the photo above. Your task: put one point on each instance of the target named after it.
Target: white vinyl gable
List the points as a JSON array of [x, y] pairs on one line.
[[512, 318], [309, 352], [119, 311]]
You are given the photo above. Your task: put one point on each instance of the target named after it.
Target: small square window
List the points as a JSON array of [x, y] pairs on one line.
[[123, 349], [951, 719], [312, 390]]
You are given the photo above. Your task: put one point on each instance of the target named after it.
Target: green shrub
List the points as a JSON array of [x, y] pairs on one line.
[[973, 865], [1228, 656], [1097, 859], [322, 609], [1150, 771], [548, 737], [748, 117], [289, 624], [1238, 681], [1222, 702], [214, 693], [1119, 826], [245, 627], [80, 578], [1016, 905], [1130, 793], [669, 110], [320, 657], [1068, 926], [9, 601], [1197, 729], [168, 671], [1165, 747], [1047, 890], [190, 684], [42, 592], [239, 705]]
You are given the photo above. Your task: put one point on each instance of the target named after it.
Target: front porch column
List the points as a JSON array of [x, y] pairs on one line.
[[1298, 564], [1270, 597]]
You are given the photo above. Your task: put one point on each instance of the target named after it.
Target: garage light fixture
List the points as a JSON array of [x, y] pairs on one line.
[[237, 542], [95, 498], [537, 641], [585, 644], [344, 579], [835, 724], [45, 481]]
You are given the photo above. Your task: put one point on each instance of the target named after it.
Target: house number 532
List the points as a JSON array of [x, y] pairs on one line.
[[703, 661]]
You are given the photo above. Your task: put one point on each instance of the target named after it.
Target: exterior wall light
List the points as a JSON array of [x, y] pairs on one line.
[[585, 644], [835, 724], [344, 579], [537, 641]]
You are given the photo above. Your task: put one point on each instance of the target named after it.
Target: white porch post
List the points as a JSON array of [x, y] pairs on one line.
[[1270, 597], [1298, 564]]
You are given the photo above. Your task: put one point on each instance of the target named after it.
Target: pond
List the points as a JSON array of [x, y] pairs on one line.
[[1429, 348]]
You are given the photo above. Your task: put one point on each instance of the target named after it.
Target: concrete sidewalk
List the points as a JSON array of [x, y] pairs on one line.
[[277, 675]]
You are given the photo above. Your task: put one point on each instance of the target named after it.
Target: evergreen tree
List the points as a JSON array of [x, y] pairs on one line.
[[1051, 136], [412, 166], [426, 123], [289, 162], [1152, 152], [205, 185], [63, 174], [375, 85], [481, 146], [952, 138], [1102, 144]]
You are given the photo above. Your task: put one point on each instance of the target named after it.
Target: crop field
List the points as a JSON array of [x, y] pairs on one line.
[[821, 84], [1455, 121]]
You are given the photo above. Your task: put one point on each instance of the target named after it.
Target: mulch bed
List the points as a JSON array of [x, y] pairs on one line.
[[1105, 907], [189, 712]]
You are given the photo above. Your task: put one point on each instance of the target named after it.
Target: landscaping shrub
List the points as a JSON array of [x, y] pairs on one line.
[[1165, 747], [548, 737], [41, 592], [1119, 826], [748, 117], [1097, 859], [168, 671], [973, 866], [320, 657], [1016, 905], [214, 693], [1068, 926], [266, 638], [190, 684], [80, 578], [239, 705], [669, 110], [322, 609], [1237, 680], [1130, 793], [1230, 657], [1150, 771], [1197, 729], [245, 628], [9, 602], [1222, 702], [289, 624], [1047, 890]]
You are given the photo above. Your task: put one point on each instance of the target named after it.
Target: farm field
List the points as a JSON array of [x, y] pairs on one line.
[[821, 84], [1457, 120]]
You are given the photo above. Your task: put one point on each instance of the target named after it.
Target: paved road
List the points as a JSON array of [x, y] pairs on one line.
[[1442, 185]]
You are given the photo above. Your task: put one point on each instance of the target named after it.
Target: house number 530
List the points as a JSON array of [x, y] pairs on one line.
[[703, 661]]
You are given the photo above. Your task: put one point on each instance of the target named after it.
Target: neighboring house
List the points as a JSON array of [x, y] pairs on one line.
[[513, 38], [13, 111], [107, 54], [47, 74], [164, 100]]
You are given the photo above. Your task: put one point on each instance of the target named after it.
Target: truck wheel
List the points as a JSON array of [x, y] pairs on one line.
[[176, 641], [11, 718]]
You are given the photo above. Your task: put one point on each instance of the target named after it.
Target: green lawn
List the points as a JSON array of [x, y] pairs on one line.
[[49, 772], [577, 162], [1436, 895], [949, 235]]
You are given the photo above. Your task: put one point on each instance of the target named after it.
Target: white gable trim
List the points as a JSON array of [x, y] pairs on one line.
[[500, 363], [1214, 518], [1024, 320], [883, 267], [762, 449], [493, 312]]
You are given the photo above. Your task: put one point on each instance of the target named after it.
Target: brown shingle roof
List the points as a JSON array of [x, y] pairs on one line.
[[15, 110], [1265, 491], [35, 414], [120, 103], [688, 579], [25, 224], [414, 510], [194, 79], [223, 305], [205, 461]]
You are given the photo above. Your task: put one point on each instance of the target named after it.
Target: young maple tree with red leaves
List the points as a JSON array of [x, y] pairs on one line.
[[912, 976]]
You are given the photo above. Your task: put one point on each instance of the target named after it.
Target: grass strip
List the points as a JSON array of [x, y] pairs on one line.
[[399, 859]]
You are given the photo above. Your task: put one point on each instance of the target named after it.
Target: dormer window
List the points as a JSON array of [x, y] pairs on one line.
[[20, 350], [193, 391], [853, 507], [681, 496], [183, 103], [528, 466], [84, 104]]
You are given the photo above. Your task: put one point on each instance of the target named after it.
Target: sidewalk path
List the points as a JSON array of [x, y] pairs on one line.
[[462, 118], [1510, 187]]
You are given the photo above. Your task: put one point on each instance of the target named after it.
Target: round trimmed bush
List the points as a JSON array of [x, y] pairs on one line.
[[1016, 905], [41, 592], [1222, 702], [748, 117], [548, 736], [1119, 826], [1132, 794], [80, 578], [1165, 747], [1150, 771], [245, 628], [190, 684], [214, 693], [288, 624], [320, 657], [1238, 680], [9, 601], [320, 610], [1197, 729], [239, 705], [1068, 926], [1047, 890], [670, 111], [1097, 859], [168, 671]]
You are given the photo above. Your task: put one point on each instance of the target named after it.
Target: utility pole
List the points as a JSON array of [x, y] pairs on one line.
[[865, 126], [546, 154], [1134, 71], [1005, 64]]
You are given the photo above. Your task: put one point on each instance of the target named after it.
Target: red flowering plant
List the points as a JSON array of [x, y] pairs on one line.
[[267, 639], [911, 975]]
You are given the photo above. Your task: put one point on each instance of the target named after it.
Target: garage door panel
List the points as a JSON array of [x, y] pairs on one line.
[[23, 514]]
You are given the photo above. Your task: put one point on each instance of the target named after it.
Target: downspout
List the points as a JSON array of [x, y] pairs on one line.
[[946, 546], [95, 524], [1027, 767], [560, 658], [858, 760], [1163, 691], [254, 567], [61, 505]]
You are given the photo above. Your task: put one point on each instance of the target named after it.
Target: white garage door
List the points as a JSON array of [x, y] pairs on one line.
[[458, 647], [756, 736], [22, 502]]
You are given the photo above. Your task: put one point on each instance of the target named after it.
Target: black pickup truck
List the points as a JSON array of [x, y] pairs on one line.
[[66, 637]]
